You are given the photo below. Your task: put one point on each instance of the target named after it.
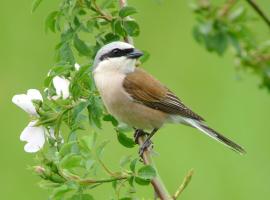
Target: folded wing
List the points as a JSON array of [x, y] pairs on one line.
[[147, 90]]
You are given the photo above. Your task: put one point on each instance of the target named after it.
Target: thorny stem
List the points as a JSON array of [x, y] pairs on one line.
[[255, 6]]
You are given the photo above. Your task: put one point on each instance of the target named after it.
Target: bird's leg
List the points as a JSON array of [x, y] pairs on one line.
[[147, 143], [138, 133]]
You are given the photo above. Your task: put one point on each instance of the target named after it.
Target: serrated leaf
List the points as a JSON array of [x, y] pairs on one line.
[[81, 46], [66, 54], [124, 140], [147, 172], [35, 5], [131, 27], [127, 11]]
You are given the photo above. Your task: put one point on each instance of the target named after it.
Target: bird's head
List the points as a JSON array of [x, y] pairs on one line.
[[116, 56]]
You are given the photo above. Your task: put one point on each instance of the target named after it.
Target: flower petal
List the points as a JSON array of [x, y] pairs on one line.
[[34, 94], [61, 86], [34, 136], [77, 66], [24, 102]]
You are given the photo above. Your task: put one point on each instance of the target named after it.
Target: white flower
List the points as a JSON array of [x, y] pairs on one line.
[[77, 66], [24, 101], [61, 86], [34, 136]]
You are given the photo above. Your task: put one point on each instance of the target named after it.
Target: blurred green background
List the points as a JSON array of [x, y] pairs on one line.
[[205, 82]]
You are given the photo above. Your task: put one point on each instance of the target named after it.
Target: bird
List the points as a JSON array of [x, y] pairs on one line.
[[138, 99]]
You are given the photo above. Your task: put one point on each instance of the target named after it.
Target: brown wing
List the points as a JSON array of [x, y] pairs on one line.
[[145, 89]]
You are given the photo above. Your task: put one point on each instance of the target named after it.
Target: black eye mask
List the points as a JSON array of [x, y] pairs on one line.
[[116, 53]]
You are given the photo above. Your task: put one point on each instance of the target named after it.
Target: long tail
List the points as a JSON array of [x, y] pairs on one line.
[[215, 135]]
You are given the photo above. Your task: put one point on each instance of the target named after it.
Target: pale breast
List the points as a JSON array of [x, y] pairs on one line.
[[122, 106]]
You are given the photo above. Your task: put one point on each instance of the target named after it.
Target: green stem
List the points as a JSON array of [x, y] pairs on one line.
[[97, 9]]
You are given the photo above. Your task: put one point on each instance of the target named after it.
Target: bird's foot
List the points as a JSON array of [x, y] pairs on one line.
[[147, 145], [138, 133]]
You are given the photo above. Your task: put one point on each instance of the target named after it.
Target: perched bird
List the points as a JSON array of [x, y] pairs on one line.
[[138, 99]]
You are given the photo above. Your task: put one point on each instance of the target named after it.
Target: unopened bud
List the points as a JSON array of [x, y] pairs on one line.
[[39, 170]]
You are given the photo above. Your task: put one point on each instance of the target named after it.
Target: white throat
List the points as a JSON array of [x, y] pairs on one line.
[[121, 65]]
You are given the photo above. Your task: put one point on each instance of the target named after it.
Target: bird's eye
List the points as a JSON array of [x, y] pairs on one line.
[[116, 52]]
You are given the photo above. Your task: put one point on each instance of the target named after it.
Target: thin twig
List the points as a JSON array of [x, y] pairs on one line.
[[156, 182], [88, 181], [184, 184], [255, 6], [99, 11]]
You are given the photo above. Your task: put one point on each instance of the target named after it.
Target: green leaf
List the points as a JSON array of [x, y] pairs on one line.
[[35, 5], [66, 148], [100, 148], [125, 160], [59, 192], [131, 27], [124, 140], [51, 21], [147, 172], [71, 161], [66, 54], [110, 118], [142, 181], [127, 11], [48, 184], [76, 112], [81, 46], [107, 4], [145, 57], [88, 141], [118, 28], [95, 111], [110, 37], [81, 197], [132, 165], [126, 198]]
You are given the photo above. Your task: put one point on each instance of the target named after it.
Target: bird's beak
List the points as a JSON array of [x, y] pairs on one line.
[[135, 54]]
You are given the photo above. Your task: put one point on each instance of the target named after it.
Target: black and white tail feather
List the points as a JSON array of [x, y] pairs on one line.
[[215, 135]]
